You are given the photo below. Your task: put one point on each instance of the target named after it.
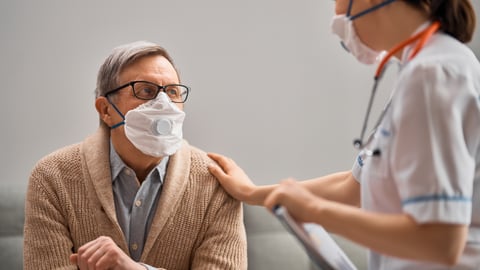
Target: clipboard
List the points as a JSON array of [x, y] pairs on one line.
[[319, 245]]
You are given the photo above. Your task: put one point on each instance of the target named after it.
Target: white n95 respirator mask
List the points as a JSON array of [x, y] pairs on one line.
[[343, 27], [155, 127]]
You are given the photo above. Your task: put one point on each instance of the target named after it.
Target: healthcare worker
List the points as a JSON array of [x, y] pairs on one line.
[[413, 194]]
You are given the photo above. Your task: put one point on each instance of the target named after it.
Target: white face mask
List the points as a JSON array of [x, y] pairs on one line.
[[155, 127], [342, 26]]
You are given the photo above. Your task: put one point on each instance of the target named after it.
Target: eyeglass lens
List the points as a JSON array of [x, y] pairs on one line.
[[146, 90]]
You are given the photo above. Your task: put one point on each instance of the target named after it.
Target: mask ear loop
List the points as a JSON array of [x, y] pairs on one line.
[[368, 10], [349, 8], [120, 113]]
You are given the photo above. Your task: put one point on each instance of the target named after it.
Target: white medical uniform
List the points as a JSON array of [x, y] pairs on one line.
[[429, 138]]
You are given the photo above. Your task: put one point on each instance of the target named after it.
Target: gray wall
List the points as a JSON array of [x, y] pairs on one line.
[[272, 88]]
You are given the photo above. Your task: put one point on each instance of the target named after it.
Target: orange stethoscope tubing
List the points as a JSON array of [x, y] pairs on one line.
[[422, 38]]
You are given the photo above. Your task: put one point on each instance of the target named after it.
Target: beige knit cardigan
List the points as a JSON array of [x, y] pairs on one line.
[[69, 202]]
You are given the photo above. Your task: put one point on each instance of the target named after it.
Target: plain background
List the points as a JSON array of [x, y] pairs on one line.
[[271, 87]]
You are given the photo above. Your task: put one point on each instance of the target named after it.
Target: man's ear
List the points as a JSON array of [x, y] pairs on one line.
[[104, 109]]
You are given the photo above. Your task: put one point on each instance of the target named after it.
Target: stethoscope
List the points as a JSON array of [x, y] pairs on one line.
[[422, 38]]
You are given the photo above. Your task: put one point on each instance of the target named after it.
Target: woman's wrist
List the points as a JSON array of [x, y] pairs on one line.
[[258, 194]]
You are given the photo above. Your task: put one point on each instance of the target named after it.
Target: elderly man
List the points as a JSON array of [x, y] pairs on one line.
[[134, 195]]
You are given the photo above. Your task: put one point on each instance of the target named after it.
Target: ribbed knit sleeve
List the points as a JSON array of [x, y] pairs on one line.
[[47, 240], [222, 244]]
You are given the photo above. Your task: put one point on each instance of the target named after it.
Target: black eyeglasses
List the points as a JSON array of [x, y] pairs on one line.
[[145, 90]]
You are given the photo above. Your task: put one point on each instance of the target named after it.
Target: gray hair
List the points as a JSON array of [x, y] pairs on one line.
[[121, 57]]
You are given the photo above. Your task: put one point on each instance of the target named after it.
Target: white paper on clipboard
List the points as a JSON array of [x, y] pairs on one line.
[[319, 245]]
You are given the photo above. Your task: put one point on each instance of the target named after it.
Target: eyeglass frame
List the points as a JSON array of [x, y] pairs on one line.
[[160, 88]]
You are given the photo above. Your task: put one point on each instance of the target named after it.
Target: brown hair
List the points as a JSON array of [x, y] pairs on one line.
[[457, 17]]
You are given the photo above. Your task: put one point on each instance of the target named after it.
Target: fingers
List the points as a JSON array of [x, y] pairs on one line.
[[214, 156], [93, 255], [216, 171], [220, 169], [74, 258], [85, 253], [97, 258], [278, 195], [225, 163]]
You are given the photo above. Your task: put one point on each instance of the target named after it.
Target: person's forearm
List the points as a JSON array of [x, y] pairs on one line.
[[339, 187], [396, 234], [258, 194]]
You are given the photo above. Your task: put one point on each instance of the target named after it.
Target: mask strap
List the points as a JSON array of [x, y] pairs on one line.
[[386, 2], [349, 8], [120, 113]]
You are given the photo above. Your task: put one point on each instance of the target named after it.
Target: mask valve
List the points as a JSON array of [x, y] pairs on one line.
[[162, 127]]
